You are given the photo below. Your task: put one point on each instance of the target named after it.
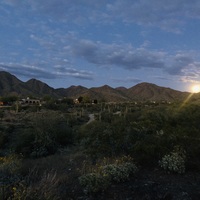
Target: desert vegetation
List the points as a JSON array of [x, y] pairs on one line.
[[51, 152]]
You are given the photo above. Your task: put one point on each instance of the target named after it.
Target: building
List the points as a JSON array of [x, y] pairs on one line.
[[31, 101]]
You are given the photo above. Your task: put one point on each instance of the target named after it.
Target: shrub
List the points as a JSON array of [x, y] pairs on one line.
[[9, 174], [174, 162], [44, 188], [94, 182], [10, 165], [24, 142], [44, 135], [102, 176], [119, 173]]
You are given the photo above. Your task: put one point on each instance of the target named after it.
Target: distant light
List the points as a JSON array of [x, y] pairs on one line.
[[195, 88]]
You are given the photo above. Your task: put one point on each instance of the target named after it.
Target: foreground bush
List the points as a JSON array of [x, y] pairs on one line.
[[45, 189], [94, 182], [174, 162], [9, 174], [103, 175], [119, 173]]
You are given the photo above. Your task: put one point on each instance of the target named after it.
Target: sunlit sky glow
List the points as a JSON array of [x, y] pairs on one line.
[[196, 88], [93, 43]]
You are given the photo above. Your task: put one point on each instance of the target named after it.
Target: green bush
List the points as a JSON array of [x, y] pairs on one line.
[[94, 182], [44, 135], [119, 173], [102, 175], [174, 162]]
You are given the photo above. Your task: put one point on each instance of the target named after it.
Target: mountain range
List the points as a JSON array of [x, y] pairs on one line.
[[11, 85]]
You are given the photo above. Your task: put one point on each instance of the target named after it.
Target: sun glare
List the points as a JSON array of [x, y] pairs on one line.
[[195, 88]]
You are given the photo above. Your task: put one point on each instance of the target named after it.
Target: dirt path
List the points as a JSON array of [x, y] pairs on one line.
[[91, 116]]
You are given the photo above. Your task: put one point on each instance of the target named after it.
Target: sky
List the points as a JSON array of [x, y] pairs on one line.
[[102, 42]]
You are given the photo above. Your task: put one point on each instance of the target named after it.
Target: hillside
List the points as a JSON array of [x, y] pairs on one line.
[[10, 85], [39, 88], [72, 91], [108, 93], [144, 91]]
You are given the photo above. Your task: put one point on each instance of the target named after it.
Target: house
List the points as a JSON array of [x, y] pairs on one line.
[[31, 101]]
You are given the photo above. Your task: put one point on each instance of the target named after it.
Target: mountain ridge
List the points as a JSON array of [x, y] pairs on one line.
[[10, 84]]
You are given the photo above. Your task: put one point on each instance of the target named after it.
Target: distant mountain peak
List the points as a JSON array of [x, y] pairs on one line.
[[9, 84], [77, 86]]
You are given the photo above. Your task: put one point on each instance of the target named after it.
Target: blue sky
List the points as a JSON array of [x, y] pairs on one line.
[[93, 43]]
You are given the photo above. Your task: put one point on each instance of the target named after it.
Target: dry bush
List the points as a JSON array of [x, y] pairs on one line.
[[44, 188], [52, 177]]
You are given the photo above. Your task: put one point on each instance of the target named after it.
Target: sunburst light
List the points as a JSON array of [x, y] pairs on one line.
[[195, 88]]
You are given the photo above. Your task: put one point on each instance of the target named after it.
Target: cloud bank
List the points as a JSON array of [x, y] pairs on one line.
[[61, 38]]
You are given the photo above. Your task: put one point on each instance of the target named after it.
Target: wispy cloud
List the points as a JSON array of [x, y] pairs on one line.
[[26, 70], [166, 15], [81, 74], [30, 71]]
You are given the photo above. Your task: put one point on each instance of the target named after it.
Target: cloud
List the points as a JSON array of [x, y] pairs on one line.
[[37, 72], [26, 70], [88, 50], [163, 78], [122, 55], [125, 56], [166, 15], [52, 31], [80, 74], [70, 11], [179, 62], [40, 40], [12, 2], [191, 73], [184, 65]]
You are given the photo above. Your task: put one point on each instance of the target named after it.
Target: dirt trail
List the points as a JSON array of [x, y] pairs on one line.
[[92, 118]]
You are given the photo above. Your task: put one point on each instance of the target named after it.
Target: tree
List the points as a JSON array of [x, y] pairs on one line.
[[95, 101], [80, 99], [67, 101], [86, 99]]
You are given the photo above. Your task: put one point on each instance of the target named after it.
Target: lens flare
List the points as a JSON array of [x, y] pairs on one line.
[[195, 88]]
